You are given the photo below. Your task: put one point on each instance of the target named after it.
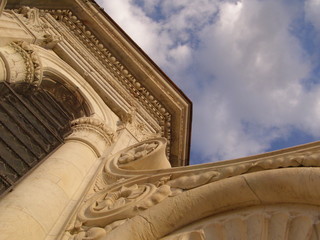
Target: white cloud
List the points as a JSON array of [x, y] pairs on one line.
[[239, 63], [257, 67], [138, 26], [312, 9]]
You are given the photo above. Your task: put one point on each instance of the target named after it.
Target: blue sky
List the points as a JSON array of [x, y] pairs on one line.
[[250, 67]]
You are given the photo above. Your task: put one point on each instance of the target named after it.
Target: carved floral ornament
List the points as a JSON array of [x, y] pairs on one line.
[[90, 124], [34, 18], [22, 63], [123, 194], [44, 24], [120, 73]]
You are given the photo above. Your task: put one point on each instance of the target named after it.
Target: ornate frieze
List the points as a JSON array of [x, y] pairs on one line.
[[22, 63], [138, 129], [117, 205], [121, 192], [35, 21], [120, 73], [52, 26]]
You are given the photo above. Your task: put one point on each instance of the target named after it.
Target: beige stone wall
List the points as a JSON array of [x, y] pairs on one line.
[[43, 202], [268, 196], [111, 179]]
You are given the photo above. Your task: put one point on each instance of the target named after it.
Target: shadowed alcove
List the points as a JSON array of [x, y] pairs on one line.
[[33, 122]]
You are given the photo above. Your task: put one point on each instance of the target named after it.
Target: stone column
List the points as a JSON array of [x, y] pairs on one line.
[[49, 194]]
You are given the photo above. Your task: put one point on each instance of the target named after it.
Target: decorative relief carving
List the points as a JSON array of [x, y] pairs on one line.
[[120, 203], [32, 61], [193, 180], [269, 222], [35, 20], [95, 125], [107, 210], [136, 153], [23, 63], [195, 176], [120, 199], [32, 16], [138, 129], [119, 72]]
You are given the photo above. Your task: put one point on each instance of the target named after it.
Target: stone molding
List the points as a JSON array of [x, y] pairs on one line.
[[36, 22], [228, 185], [68, 28], [118, 71], [28, 24], [253, 223], [93, 132], [137, 128], [22, 63], [2, 5]]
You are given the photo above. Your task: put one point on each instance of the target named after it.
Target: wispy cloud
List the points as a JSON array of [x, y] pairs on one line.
[[244, 64]]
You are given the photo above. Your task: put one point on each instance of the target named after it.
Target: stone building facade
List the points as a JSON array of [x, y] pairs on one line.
[[94, 144]]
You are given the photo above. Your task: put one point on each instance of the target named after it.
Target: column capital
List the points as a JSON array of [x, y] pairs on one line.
[[20, 63], [93, 132]]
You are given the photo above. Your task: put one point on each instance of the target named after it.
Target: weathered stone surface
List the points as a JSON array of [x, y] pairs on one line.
[[112, 177]]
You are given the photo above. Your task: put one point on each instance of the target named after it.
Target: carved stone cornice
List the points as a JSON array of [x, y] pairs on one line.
[[88, 33], [93, 132], [22, 63], [120, 73], [34, 20], [138, 129]]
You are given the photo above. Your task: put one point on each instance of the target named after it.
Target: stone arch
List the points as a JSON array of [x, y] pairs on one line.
[[24, 62], [55, 68], [39, 97], [284, 187]]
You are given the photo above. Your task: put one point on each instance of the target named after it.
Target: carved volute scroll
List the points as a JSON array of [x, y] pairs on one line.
[[148, 154], [126, 197]]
